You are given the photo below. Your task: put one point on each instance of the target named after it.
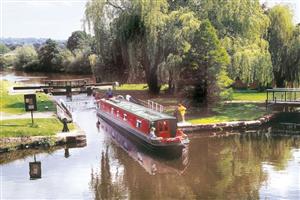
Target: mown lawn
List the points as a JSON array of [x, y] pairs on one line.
[[14, 104], [140, 86], [249, 96], [23, 127], [231, 112], [240, 95]]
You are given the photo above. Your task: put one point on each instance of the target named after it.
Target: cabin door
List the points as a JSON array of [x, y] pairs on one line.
[[163, 129]]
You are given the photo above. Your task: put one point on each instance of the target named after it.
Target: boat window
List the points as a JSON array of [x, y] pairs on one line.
[[112, 110], [118, 114], [125, 117], [138, 123], [165, 126], [160, 126]]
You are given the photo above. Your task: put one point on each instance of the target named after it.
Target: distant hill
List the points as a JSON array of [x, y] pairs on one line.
[[22, 41]]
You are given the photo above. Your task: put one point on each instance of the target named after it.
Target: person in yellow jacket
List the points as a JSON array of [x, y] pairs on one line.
[[181, 109]]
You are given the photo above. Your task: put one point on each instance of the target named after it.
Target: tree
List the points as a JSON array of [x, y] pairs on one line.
[[80, 64], [241, 26], [79, 40], [294, 59], [280, 35], [153, 40], [25, 55], [181, 25], [3, 49], [7, 60], [208, 63], [48, 56], [144, 22]]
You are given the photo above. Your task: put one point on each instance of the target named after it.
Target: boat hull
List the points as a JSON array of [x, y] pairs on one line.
[[166, 150]]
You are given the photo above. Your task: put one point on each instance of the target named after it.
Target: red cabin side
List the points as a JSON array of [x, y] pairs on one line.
[[133, 120]]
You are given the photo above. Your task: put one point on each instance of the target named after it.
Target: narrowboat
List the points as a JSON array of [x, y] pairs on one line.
[[151, 163], [150, 128]]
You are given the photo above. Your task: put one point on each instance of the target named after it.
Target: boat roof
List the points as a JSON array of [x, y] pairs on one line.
[[138, 110]]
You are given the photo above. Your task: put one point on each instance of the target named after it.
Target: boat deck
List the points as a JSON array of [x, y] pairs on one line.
[[139, 110]]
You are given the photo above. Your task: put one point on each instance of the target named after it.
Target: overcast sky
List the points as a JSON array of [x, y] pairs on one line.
[[55, 19]]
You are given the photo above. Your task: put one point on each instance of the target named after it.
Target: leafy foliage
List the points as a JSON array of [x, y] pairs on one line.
[[48, 55], [283, 38], [209, 60], [7, 60], [79, 40], [25, 56], [4, 49]]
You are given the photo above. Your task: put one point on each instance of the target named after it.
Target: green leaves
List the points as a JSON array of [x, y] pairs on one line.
[[3, 49], [79, 40], [24, 55], [283, 37]]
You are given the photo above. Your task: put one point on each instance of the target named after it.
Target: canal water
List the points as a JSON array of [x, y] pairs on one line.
[[239, 165]]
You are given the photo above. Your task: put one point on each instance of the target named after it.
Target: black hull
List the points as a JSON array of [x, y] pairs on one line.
[[165, 150]]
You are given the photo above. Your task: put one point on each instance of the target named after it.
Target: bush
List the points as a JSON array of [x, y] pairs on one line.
[[80, 64], [32, 66], [24, 56], [7, 60]]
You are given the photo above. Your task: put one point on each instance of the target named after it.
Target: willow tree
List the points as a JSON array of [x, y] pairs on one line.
[[294, 58], [128, 34], [177, 43], [241, 25], [282, 37], [100, 15], [153, 15]]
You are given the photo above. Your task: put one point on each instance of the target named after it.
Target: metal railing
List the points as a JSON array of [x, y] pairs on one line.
[[155, 106]]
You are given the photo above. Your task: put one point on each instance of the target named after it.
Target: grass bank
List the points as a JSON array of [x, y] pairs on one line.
[[138, 86], [249, 96], [23, 127], [14, 104], [230, 112], [223, 113]]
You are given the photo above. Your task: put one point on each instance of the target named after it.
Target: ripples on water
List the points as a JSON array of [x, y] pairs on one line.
[[237, 166]]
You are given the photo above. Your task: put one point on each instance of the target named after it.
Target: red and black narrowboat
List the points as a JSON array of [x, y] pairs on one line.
[[154, 130]]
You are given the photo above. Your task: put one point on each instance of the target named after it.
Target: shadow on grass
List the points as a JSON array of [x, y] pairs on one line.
[[18, 105]]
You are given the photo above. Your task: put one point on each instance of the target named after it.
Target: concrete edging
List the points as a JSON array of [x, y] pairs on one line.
[[228, 125]]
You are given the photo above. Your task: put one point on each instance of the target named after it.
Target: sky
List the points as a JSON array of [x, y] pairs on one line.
[[57, 19]]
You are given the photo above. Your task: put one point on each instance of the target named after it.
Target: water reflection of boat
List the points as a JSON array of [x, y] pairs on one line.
[[155, 130], [150, 162]]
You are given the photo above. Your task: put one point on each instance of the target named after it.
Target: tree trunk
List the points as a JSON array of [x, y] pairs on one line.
[[279, 80]]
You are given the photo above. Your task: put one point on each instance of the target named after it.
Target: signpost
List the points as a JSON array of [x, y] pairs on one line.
[[30, 104]]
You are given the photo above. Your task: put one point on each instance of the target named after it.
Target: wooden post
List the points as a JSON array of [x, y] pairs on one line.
[[285, 96], [31, 117]]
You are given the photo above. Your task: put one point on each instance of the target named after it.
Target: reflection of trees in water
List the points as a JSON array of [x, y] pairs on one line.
[[231, 167], [102, 183], [220, 168]]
